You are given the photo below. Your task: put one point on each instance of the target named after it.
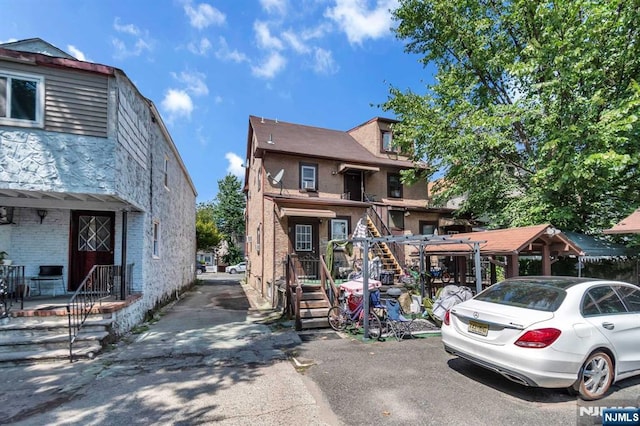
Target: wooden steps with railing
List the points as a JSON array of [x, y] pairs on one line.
[[313, 307], [382, 250]]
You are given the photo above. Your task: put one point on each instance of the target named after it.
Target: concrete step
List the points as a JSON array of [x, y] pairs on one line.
[[37, 356], [50, 341], [307, 323]]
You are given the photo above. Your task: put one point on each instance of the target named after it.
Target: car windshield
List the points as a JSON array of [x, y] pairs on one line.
[[536, 295]]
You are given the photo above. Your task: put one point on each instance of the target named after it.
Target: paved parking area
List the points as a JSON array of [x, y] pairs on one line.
[[416, 382]]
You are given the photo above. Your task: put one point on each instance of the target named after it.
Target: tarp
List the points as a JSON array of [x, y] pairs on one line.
[[597, 248]]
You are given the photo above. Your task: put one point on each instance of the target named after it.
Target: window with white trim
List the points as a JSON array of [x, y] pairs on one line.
[[304, 236], [165, 172], [339, 229], [21, 99], [308, 177], [156, 239]]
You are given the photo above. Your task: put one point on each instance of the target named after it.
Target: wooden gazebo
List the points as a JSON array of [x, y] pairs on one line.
[[539, 240]]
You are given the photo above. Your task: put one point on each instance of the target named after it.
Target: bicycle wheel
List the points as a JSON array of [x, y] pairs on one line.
[[375, 326], [445, 277], [338, 318]]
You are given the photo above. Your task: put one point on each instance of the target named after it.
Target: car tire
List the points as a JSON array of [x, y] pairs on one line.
[[596, 376], [198, 271], [232, 271]]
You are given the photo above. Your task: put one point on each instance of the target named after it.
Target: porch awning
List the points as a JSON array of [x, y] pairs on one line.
[[290, 211], [345, 167]]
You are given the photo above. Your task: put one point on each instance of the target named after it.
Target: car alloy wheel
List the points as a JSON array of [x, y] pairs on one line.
[[596, 377], [233, 271]]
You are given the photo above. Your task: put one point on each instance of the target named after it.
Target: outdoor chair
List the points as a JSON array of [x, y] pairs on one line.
[[50, 274], [397, 324]]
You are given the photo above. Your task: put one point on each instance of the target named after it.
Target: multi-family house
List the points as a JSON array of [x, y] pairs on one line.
[[307, 186], [89, 175]]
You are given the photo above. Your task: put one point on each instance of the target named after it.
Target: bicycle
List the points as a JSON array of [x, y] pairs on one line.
[[349, 313]]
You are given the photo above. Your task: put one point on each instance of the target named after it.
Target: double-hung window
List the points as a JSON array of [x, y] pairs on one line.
[[394, 186], [339, 229], [21, 99], [309, 176]]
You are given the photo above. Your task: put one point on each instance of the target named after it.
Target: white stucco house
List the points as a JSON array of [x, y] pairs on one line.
[[89, 175]]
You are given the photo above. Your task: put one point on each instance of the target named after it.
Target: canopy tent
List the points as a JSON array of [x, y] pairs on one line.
[[595, 248]]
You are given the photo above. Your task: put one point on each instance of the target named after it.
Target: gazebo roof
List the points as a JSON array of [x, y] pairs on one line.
[[596, 248], [527, 240]]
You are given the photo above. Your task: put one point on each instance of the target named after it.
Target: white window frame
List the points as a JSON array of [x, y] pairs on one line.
[[39, 119], [155, 249], [343, 222], [165, 172], [308, 182], [304, 237]]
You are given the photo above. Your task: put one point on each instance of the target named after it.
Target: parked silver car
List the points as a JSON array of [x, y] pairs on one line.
[[234, 269], [552, 332]]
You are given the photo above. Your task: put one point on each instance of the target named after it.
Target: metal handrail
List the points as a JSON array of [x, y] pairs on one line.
[[102, 282], [12, 287]]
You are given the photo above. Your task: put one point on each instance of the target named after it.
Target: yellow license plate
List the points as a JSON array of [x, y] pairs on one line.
[[478, 328]]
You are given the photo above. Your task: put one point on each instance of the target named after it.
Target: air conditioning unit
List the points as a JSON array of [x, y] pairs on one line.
[[308, 185]]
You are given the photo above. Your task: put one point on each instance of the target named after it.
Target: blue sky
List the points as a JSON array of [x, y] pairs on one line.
[[208, 65]]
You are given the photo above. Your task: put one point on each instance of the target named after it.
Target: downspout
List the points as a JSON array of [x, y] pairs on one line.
[[123, 261]]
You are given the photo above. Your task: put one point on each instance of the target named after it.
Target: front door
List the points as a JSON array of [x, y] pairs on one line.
[[303, 234], [353, 185], [92, 241]]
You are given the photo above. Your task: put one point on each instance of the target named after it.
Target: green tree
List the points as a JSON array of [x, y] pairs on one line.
[[228, 213], [207, 235], [533, 113]]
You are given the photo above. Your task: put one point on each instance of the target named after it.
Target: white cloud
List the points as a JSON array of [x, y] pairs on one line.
[[272, 66], [195, 82], [324, 62], [76, 53], [236, 164], [141, 44], [200, 48], [218, 99], [274, 6], [264, 37], [295, 42], [203, 15], [177, 103], [359, 22], [224, 53]]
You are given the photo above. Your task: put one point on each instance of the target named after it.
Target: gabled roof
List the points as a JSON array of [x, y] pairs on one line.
[[37, 45], [297, 139], [510, 241], [628, 225]]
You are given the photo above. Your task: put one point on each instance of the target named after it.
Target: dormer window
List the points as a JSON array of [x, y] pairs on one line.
[[387, 142], [21, 99]]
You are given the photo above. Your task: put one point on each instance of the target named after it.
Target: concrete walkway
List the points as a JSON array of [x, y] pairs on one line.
[[208, 358]]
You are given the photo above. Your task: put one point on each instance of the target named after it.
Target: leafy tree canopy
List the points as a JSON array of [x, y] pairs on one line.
[[533, 113], [207, 235], [228, 208]]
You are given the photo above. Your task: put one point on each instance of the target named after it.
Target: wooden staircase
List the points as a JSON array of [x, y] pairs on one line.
[[29, 337], [382, 250], [313, 307]]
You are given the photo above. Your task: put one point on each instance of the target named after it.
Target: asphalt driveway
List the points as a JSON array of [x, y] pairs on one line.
[[416, 382]]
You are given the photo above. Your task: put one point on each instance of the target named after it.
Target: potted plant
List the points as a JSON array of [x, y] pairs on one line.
[[3, 258]]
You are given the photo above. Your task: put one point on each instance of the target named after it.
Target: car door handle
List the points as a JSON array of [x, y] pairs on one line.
[[608, 325]]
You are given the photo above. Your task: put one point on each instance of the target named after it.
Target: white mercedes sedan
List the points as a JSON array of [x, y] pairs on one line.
[[582, 334]]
